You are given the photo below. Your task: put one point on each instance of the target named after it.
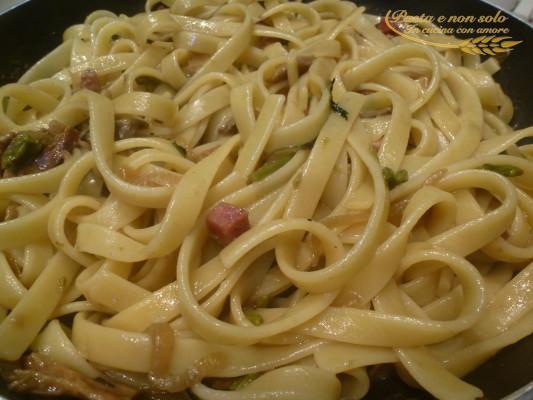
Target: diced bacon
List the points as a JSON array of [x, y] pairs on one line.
[[53, 155], [226, 126], [383, 27], [159, 6], [44, 377], [226, 221], [54, 144], [90, 80], [304, 62], [376, 144], [396, 211], [126, 128]]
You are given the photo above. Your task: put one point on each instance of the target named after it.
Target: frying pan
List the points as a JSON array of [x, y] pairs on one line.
[[34, 28]]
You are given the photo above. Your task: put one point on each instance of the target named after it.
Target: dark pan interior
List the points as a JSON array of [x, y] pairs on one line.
[[36, 27]]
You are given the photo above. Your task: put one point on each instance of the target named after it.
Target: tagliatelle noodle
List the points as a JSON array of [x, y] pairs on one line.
[[342, 268]]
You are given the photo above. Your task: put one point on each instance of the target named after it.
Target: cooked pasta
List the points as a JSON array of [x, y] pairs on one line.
[[259, 200]]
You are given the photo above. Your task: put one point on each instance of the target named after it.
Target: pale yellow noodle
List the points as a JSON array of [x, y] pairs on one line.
[[342, 270]]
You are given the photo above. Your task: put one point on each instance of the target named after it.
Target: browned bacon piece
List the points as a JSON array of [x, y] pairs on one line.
[[226, 221], [54, 153], [383, 27], [90, 80], [42, 376]]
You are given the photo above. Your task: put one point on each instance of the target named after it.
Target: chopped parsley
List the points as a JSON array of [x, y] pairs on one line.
[[335, 106], [254, 317], [339, 110], [270, 167], [24, 147], [182, 150], [394, 179], [506, 170], [291, 149]]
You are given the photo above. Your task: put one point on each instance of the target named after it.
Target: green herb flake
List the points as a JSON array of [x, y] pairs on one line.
[[401, 176], [290, 150], [388, 174], [394, 179], [506, 170], [243, 381], [270, 167], [182, 150], [339, 110], [20, 150], [335, 106], [149, 41], [254, 317], [115, 37]]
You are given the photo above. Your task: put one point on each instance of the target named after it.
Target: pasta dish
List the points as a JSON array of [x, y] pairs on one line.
[[259, 200]]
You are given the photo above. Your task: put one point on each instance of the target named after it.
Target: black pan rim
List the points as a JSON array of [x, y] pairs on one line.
[[523, 393]]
